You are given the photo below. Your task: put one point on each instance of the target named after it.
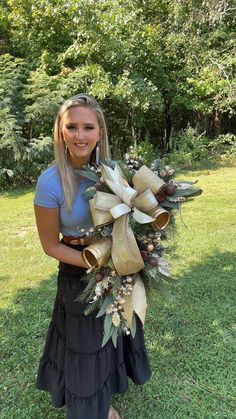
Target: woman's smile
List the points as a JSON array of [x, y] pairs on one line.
[[81, 145]]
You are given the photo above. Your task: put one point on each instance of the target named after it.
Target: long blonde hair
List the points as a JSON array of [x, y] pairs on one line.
[[68, 177]]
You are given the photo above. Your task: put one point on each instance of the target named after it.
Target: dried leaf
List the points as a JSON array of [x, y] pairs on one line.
[[114, 337], [108, 329], [133, 325], [106, 302], [116, 319]]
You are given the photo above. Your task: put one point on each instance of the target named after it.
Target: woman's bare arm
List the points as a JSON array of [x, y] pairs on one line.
[[47, 220]]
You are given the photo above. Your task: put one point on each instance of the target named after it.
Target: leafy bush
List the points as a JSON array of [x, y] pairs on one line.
[[42, 96], [38, 154], [21, 156], [191, 145], [224, 147], [189, 149], [13, 74]]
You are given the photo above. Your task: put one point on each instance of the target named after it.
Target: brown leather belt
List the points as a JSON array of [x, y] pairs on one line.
[[77, 240]]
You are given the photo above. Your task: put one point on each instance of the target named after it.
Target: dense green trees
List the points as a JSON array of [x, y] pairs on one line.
[[158, 67]]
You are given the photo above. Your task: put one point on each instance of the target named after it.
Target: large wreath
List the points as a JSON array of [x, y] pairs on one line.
[[133, 209]]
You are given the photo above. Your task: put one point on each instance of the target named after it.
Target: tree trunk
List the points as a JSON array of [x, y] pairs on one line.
[[168, 124], [134, 136], [201, 123], [217, 123]]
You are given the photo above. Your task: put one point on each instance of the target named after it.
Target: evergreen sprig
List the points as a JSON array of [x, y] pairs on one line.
[[91, 307], [88, 291]]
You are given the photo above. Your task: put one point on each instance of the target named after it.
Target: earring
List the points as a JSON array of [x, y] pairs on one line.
[[65, 150], [97, 159]]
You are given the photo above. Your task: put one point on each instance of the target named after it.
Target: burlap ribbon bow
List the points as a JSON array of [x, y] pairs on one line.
[[108, 207]]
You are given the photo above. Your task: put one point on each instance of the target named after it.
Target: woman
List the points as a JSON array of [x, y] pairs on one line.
[[74, 367]]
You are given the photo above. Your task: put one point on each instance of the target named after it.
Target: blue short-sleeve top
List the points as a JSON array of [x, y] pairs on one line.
[[49, 194]]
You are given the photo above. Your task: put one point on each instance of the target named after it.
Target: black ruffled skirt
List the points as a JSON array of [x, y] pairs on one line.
[[74, 368]]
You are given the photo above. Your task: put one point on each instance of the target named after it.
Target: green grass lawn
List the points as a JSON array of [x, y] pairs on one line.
[[191, 341]]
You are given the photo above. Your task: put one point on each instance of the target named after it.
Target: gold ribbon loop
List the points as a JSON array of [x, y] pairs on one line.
[[105, 201], [141, 217], [119, 210], [100, 218], [125, 252], [97, 254], [145, 179], [113, 175], [146, 201], [125, 193], [129, 195], [162, 218]]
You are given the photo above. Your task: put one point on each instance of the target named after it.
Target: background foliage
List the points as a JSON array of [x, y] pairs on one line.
[[164, 72]]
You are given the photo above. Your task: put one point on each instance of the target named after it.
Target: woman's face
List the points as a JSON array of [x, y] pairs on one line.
[[81, 132]]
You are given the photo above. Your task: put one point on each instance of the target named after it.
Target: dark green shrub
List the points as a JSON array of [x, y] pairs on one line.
[[188, 148], [224, 147]]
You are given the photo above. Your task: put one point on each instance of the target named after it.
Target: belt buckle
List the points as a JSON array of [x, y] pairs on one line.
[[74, 242], [79, 240]]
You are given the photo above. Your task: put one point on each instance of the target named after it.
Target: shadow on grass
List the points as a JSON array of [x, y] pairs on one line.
[[4, 277], [190, 343], [17, 191]]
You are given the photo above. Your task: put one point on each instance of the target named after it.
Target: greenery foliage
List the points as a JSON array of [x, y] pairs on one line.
[[224, 146], [157, 68]]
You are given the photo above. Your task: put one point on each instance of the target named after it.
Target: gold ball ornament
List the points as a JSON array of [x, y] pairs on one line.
[[162, 173], [150, 247]]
